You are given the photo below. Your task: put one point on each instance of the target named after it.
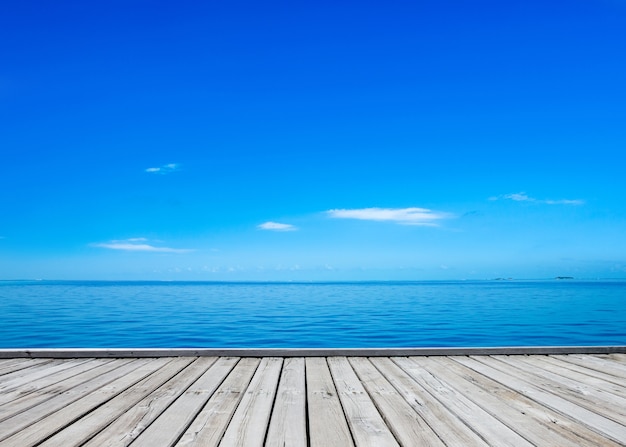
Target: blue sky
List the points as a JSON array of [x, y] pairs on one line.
[[312, 140]]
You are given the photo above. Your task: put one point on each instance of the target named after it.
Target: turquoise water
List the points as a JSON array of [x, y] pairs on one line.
[[43, 314]]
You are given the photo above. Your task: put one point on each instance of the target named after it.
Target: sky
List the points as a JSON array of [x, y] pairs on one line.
[[312, 141]]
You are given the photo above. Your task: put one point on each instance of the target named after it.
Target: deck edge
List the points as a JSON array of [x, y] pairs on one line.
[[302, 352]]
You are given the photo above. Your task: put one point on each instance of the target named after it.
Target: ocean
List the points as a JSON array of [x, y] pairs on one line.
[[96, 314]]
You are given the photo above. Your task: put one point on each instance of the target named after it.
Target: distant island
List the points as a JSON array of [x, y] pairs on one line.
[[512, 279]]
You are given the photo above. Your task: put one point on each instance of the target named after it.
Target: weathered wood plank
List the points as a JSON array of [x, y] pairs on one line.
[[38, 431], [170, 426], [619, 356], [209, 426], [45, 385], [603, 382], [581, 393], [327, 422], [303, 352], [47, 400], [366, 424], [249, 423], [288, 421], [12, 365], [32, 371], [533, 421], [407, 426], [596, 363], [133, 422], [90, 424], [508, 376], [46, 375], [482, 422], [22, 380], [444, 423], [574, 400]]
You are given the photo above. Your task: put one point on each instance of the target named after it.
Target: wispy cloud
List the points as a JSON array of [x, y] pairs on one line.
[[523, 197], [165, 169], [403, 216], [275, 226], [138, 244], [564, 202]]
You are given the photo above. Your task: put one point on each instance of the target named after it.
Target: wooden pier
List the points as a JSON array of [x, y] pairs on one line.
[[449, 399]]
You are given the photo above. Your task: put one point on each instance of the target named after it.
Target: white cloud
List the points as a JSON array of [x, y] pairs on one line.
[[523, 197], [275, 226], [165, 169], [139, 244], [564, 202], [404, 216], [519, 197]]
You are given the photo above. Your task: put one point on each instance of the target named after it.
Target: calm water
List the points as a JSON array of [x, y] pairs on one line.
[[388, 314]]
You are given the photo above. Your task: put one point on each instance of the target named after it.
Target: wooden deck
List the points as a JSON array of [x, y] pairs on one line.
[[445, 400]]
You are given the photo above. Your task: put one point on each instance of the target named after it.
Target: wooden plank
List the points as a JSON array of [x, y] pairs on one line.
[[12, 365], [128, 426], [595, 363], [546, 400], [172, 424], [450, 429], [366, 424], [83, 429], [36, 432], [327, 423], [408, 427], [303, 352], [40, 401], [481, 421], [23, 380], [32, 370], [538, 424], [249, 423], [600, 380], [14, 396], [209, 426], [581, 393], [507, 375], [288, 421]]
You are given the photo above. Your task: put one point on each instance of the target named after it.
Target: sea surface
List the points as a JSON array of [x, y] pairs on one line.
[[69, 314]]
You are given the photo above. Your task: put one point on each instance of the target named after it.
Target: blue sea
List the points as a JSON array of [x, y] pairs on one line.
[[69, 314]]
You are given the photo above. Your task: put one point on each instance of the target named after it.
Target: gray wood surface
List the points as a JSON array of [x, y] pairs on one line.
[[447, 425], [526, 384], [93, 422], [327, 424], [134, 421], [288, 422], [539, 425], [575, 400], [249, 423], [209, 426], [36, 432], [366, 424], [303, 352], [408, 427], [11, 365], [483, 422], [171, 425]]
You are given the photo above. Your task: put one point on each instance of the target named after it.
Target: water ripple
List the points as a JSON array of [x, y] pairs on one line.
[[92, 314]]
